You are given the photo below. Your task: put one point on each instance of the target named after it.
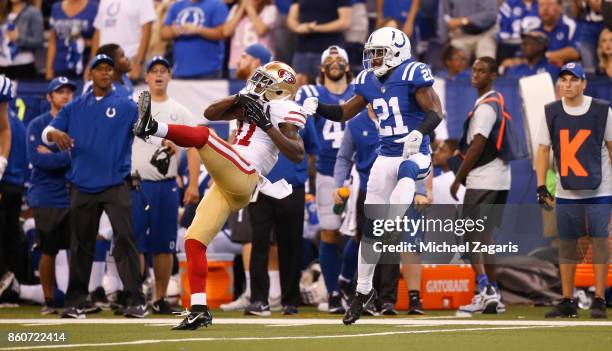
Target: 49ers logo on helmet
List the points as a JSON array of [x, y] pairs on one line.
[[286, 76]]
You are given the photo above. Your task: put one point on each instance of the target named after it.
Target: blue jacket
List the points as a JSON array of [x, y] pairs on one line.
[[17, 169]]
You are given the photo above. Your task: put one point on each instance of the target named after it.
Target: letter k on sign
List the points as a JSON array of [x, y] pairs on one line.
[[569, 148]]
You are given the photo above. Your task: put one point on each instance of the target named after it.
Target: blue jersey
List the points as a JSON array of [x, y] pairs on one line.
[[102, 133], [70, 34], [126, 89], [397, 9], [329, 133], [365, 140], [48, 187], [190, 50], [16, 170], [524, 70], [395, 103], [511, 14], [564, 34]]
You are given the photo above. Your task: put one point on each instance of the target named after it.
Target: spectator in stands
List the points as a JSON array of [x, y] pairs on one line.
[[70, 38], [97, 129], [535, 44], [48, 192], [590, 21], [249, 22], [6, 95], [470, 25], [196, 26], [158, 46], [21, 35], [282, 34], [511, 14], [318, 24], [561, 31], [128, 24], [121, 82], [604, 52], [155, 227], [403, 11], [456, 64], [357, 34]]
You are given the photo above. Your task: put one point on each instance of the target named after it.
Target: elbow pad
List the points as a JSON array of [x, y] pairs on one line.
[[430, 123]]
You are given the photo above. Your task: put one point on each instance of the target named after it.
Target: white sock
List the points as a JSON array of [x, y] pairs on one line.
[[97, 275], [401, 197], [32, 293], [275, 288], [365, 274], [162, 130], [198, 299], [247, 277], [113, 280], [61, 270]]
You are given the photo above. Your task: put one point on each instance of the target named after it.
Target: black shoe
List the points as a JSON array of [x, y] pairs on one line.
[[371, 310], [388, 309], [598, 308], [198, 317], [136, 311], [565, 309], [289, 310], [118, 300], [258, 308], [346, 290], [88, 307], [162, 306], [48, 308], [73, 312], [359, 303], [145, 125], [99, 299], [415, 307], [335, 303]]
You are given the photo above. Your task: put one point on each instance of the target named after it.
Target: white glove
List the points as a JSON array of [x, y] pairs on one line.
[[412, 143], [3, 164], [310, 105]]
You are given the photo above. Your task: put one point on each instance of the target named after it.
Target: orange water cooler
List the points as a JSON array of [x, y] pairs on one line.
[[219, 285]]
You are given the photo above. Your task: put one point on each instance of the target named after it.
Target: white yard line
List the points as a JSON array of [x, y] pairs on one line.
[[281, 338]]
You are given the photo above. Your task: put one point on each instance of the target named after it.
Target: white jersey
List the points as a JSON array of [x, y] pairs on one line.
[[255, 145]]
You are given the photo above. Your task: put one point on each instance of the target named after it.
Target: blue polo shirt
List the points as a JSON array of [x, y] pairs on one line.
[[16, 170], [511, 14], [193, 55], [397, 9], [48, 186], [524, 70], [564, 34], [296, 174], [102, 133]]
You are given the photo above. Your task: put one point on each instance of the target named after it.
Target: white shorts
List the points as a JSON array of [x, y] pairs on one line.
[[386, 172], [325, 203]]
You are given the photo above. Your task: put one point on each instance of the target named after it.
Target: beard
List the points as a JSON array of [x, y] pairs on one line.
[[341, 72]]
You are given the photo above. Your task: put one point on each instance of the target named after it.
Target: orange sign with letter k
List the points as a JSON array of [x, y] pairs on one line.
[[569, 148]]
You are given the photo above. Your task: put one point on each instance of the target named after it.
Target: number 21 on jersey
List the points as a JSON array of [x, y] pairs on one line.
[[381, 107]]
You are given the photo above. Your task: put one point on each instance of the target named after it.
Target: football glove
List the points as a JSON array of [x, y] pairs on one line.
[[254, 112], [161, 160], [412, 143], [310, 105], [543, 197]]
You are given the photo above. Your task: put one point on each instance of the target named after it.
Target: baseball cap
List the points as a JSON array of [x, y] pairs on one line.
[[539, 36], [158, 59], [334, 50], [259, 52], [101, 59], [60, 82], [574, 68]]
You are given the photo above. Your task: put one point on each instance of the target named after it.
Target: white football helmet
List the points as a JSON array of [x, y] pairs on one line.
[[387, 45]]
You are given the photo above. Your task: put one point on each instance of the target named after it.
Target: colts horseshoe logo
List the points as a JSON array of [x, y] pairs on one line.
[[396, 44], [111, 112]]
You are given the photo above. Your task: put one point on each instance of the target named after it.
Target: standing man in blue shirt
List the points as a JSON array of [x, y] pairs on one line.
[[97, 129], [196, 26], [48, 192], [122, 84]]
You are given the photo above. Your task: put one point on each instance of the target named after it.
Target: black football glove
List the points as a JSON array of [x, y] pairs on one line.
[[543, 197], [161, 160], [255, 114]]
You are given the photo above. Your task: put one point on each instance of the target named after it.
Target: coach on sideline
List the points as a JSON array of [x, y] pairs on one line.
[[155, 229], [96, 128]]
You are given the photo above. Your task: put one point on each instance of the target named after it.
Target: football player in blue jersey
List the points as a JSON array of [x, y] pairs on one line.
[[335, 78], [400, 91]]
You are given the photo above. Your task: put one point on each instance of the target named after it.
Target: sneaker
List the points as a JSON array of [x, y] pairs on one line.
[[334, 304], [162, 306], [145, 125], [118, 300], [136, 311], [88, 307], [258, 308], [388, 309], [415, 307], [73, 312], [48, 308], [239, 304], [567, 308], [490, 300], [289, 310], [346, 290], [275, 303], [198, 317], [371, 310], [598, 308], [476, 306], [99, 299], [501, 307], [359, 303]]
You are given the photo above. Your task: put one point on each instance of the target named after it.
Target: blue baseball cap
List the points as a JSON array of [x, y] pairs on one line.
[[574, 68], [158, 59], [258, 51], [101, 59], [60, 82]]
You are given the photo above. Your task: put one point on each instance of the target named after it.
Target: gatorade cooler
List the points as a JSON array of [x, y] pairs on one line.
[[585, 277], [443, 287], [219, 288]]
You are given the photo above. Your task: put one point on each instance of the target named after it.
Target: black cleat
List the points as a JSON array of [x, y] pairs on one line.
[[566, 309], [198, 317], [145, 125], [258, 308], [162, 306], [99, 299], [388, 309], [335, 303], [88, 307], [598, 308], [359, 303], [136, 311], [73, 312], [289, 310], [415, 307]]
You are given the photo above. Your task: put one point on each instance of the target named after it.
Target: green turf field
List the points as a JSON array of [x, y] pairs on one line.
[[521, 328]]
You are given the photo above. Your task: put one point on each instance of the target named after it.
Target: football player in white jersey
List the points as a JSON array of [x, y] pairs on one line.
[[269, 123]]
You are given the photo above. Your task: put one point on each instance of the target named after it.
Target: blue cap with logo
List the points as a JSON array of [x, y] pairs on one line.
[[101, 59], [260, 52], [158, 59], [574, 68], [60, 82]]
